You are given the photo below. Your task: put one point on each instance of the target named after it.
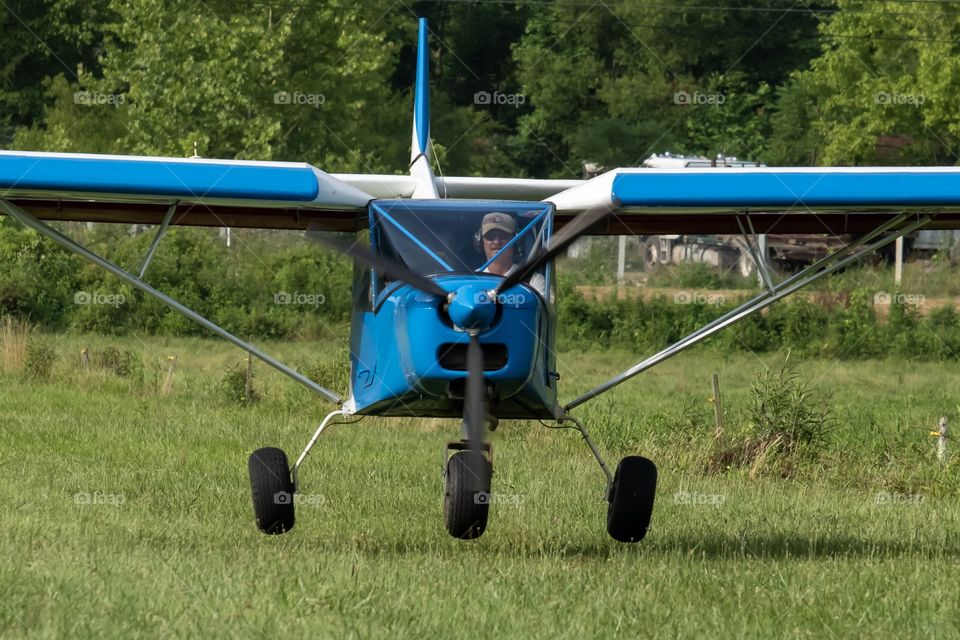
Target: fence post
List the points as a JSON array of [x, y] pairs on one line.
[[248, 380], [717, 408], [167, 387], [942, 439]]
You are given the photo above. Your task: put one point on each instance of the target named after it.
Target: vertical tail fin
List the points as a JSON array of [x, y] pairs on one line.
[[420, 145]]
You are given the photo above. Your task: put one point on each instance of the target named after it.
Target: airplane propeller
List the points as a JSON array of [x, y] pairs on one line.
[[385, 266], [471, 312], [475, 404], [475, 393]]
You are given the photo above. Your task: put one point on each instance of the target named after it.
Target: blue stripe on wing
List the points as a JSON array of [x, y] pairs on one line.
[[194, 179], [745, 188]]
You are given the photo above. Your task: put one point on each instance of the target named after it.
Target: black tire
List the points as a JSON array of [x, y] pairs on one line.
[[631, 499], [466, 500], [272, 490]]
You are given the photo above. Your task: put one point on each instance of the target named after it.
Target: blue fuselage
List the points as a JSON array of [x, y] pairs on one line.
[[408, 358]]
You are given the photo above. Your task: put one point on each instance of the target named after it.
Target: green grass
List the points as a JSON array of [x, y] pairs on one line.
[[810, 556], [932, 278]]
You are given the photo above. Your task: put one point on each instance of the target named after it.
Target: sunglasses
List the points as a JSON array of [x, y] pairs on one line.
[[492, 236]]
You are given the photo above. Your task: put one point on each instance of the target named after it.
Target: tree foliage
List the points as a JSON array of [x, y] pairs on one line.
[[885, 84], [829, 82], [522, 88]]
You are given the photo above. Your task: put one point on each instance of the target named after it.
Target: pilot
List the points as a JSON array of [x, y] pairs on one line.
[[496, 230]]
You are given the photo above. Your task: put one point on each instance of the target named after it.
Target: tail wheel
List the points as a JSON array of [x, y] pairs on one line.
[[466, 500], [631, 499], [272, 490]]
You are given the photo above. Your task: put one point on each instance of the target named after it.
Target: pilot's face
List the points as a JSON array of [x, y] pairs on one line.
[[494, 240]]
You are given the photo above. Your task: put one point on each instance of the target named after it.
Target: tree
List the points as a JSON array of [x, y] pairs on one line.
[[247, 81], [885, 84], [618, 81], [41, 39]]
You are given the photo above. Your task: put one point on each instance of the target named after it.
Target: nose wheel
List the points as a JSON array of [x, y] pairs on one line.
[[466, 491]]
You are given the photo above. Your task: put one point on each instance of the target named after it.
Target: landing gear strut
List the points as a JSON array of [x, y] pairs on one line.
[[274, 484], [630, 492]]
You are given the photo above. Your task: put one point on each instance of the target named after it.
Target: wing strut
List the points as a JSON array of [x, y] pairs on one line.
[[837, 260], [157, 238], [758, 258], [29, 221]]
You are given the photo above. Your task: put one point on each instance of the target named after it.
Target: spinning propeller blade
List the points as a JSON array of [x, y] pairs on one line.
[[563, 239], [475, 400], [475, 404], [385, 266]]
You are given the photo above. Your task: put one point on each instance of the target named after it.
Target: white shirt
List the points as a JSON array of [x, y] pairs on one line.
[[537, 281]]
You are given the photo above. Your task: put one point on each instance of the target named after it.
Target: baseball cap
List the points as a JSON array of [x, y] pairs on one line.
[[496, 220]]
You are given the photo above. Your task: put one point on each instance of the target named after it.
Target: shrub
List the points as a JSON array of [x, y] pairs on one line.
[[123, 363], [39, 359], [698, 275], [333, 373], [233, 384], [785, 408]]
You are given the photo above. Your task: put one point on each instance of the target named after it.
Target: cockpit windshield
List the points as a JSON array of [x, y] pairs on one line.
[[450, 237]]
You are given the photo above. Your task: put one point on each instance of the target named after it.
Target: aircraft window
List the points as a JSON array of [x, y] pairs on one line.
[[436, 242], [362, 291]]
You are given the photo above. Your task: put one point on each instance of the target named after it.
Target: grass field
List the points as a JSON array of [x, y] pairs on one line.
[[127, 514]]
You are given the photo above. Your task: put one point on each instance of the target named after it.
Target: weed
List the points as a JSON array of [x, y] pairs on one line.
[[789, 419], [14, 336], [237, 385], [39, 358], [123, 363], [787, 410]]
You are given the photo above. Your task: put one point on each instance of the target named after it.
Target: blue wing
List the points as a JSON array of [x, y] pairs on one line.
[[137, 189], [287, 195], [834, 200]]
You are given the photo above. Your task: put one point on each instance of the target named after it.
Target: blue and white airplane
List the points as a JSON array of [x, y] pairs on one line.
[[453, 310]]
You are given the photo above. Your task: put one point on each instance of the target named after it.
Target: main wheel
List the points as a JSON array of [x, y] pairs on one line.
[[272, 490], [631, 499], [466, 500]]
